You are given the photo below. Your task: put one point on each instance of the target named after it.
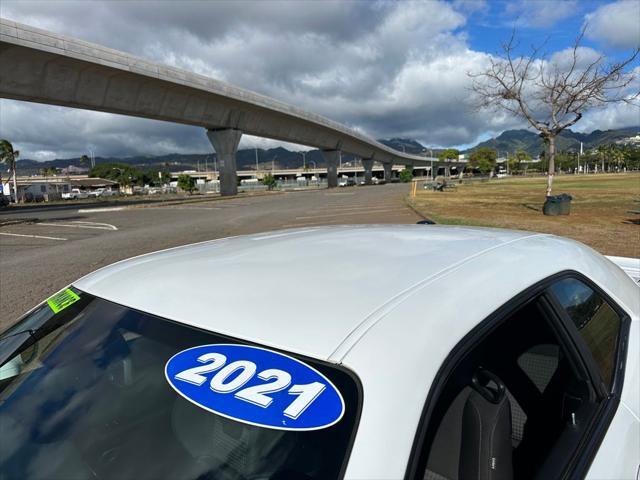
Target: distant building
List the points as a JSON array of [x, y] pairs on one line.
[[48, 189], [37, 189], [630, 141]]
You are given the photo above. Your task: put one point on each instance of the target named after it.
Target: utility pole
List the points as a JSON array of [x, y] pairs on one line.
[[256, 150], [304, 160]]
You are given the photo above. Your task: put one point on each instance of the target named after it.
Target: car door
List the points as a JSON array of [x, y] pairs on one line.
[[538, 386]]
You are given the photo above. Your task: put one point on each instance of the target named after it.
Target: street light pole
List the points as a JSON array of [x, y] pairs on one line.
[[579, 154]]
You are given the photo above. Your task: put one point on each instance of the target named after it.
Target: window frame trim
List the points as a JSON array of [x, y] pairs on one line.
[[593, 436]]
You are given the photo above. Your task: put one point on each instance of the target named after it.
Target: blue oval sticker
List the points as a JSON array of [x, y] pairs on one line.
[[256, 386]]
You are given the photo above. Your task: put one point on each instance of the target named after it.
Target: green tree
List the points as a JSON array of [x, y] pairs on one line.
[[269, 181], [615, 157], [120, 172], [48, 171], [631, 157], [84, 160], [449, 154], [187, 183], [566, 161], [156, 177], [515, 160], [9, 157], [405, 175], [484, 159]]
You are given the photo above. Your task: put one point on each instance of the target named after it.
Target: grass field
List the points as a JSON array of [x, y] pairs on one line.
[[599, 211]]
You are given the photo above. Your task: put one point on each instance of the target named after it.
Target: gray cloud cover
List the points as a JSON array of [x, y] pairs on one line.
[[385, 68]]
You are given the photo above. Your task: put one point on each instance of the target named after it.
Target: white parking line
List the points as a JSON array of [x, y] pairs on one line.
[[106, 209], [107, 226], [31, 236], [79, 224]]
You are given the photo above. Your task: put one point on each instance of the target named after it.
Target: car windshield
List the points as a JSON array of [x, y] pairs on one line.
[[83, 395]]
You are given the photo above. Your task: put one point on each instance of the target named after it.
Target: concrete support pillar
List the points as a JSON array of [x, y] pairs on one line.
[[367, 164], [388, 172], [332, 157], [225, 143]]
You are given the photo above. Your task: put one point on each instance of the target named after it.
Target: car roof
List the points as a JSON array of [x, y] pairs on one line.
[[311, 291]]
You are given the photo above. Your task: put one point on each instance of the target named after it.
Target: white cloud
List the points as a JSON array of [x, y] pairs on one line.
[[563, 59], [540, 13], [467, 7], [617, 24], [388, 69]]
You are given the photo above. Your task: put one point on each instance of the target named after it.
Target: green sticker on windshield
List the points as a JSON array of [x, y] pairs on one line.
[[62, 300]]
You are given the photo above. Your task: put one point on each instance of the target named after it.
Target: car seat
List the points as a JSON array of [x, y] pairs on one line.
[[473, 441]]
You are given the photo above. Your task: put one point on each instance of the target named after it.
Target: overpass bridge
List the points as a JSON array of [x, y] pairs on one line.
[[440, 168], [45, 67]]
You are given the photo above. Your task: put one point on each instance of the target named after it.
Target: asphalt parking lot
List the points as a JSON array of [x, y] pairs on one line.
[[51, 248]]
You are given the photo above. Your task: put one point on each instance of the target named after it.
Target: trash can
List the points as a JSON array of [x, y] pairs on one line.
[[551, 205], [565, 204], [557, 205]]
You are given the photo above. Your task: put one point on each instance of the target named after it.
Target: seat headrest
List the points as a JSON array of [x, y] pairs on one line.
[[486, 450]]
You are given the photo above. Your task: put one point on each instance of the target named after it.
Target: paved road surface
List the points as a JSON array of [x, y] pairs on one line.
[[37, 259]]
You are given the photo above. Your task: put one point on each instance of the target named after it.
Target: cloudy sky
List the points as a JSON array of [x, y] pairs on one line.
[[390, 69]]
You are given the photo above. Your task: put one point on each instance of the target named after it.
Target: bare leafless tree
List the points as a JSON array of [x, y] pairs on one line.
[[551, 94]]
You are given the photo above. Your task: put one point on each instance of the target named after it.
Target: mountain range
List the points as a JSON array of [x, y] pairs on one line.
[[507, 142], [513, 140]]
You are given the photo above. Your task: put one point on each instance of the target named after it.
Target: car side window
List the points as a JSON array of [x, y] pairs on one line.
[[598, 323], [515, 400]]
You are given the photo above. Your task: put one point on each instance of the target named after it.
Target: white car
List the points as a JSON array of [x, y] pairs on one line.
[[460, 353], [102, 192], [74, 194]]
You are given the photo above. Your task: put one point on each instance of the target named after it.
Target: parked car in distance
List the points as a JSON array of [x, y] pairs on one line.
[[102, 192], [346, 182], [74, 194], [460, 353]]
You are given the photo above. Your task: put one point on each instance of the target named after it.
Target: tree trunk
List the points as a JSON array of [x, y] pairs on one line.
[[15, 185], [552, 163]]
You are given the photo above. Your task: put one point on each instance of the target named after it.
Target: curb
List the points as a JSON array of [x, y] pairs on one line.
[[410, 205], [17, 221]]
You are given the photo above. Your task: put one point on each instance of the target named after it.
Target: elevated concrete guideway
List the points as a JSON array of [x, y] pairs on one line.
[[45, 67]]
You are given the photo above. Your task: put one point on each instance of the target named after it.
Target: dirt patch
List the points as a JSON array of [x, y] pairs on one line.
[[600, 211]]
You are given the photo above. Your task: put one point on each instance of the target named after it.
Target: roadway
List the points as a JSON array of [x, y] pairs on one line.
[[55, 247]]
